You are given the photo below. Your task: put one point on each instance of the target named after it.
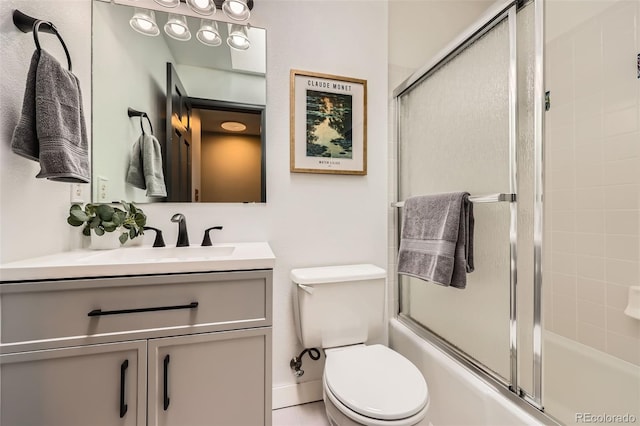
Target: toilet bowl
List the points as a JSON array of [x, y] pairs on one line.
[[373, 386], [340, 309]]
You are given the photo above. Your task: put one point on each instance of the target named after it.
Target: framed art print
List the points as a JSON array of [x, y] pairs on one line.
[[328, 124]]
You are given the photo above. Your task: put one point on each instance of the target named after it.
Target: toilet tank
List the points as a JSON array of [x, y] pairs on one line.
[[338, 305]]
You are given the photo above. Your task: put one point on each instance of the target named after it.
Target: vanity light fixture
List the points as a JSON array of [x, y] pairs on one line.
[[208, 33], [144, 22], [238, 10], [177, 28], [233, 126], [168, 3], [202, 7], [238, 38]]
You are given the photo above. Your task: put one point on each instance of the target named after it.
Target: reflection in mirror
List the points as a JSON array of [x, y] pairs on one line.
[[131, 70]]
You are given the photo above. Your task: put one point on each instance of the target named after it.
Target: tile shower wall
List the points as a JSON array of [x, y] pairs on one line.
[[592, 181]]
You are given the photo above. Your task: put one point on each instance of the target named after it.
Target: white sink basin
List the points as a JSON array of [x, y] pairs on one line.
[[159, 254], [141, 260]]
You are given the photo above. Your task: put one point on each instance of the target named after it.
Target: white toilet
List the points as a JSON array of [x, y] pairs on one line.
[[339, 308]]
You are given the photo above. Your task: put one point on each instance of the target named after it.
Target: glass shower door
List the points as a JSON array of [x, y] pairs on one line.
[[454, 135]]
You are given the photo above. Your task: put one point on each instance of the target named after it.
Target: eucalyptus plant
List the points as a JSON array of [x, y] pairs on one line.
[[101, 218]]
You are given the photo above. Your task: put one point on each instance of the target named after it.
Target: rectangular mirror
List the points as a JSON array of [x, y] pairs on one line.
[[188, 90]]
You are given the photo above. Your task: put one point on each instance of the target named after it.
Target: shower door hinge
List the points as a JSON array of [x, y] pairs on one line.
[[547, 100]]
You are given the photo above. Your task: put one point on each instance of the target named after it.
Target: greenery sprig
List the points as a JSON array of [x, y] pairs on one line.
[[103, 218]]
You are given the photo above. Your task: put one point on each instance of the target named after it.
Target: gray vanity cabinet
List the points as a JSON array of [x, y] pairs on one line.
[[177, 349], [208, 379], [88, 385]]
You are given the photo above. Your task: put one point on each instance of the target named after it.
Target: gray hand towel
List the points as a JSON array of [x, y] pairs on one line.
[[24, 141], [437, 239], [152, 167], [62, 134], [145, 166], [135, 175]]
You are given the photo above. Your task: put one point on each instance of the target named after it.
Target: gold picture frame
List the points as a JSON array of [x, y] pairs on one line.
[[328, 124]]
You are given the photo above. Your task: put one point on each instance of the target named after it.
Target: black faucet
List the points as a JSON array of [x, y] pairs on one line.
[[159, 241], [206, 241], [183, 236]]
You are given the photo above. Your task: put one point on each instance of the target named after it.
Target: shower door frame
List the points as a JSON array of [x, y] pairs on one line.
[[495, 15]]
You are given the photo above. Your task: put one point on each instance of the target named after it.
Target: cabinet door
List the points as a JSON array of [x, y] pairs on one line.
[[211, 379], [89, 385]]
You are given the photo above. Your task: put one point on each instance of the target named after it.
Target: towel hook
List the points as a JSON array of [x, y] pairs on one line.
[[26, 23], [135, 113]]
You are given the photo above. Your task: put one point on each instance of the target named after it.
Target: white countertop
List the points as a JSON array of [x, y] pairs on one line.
[[141, 261]]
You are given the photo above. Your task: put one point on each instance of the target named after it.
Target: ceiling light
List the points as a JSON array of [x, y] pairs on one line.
[[208, 33], [203, 7], [238, 38], [144, 22], [238, 10], [176, 27], [233, 126], [168, 3]]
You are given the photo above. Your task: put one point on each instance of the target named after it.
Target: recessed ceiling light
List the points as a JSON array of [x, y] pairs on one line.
[[233, 126]]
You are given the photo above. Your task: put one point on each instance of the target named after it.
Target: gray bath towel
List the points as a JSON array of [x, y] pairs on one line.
[[145, 166], [62, 133], [437, 239], [24, 141]]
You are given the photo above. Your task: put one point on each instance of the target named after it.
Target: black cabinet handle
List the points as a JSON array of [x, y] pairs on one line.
[[123, 377], [166, 382], [100, 312]]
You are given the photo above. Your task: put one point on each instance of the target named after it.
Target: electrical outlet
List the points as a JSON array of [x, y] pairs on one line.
[[76, 193], [103, 189]]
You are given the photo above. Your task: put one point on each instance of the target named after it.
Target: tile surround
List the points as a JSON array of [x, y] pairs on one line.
[[593, 182]]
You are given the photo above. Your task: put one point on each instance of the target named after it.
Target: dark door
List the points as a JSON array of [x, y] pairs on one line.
[[178, 149]]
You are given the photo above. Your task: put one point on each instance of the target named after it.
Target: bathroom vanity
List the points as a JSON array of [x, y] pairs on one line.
[[129, 347]]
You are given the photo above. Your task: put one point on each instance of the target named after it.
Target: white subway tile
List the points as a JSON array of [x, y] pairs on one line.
[[589, 244], [564, 284], [623, 272], [563, 221], [564, 324], [624, 222], [622, 172], [619, 323], [622, 147], [622, 247], [590, 198], [617, 296], [622, 197], [590, 267], [564, 242], [591, 313], [621, 121], [563, 263], [591, 290], [589, 175], [590, 221]]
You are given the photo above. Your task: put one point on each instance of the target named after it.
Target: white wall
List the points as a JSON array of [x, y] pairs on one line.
[[309, 220], [33, 211]]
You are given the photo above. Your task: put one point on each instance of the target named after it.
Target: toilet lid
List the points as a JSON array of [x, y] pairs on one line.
[[376, 382]]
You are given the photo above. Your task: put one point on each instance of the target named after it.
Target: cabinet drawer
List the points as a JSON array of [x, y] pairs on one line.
[[153, 305]]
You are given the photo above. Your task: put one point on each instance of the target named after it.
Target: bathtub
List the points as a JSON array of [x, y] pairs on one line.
[[579, 381], [458, 397]]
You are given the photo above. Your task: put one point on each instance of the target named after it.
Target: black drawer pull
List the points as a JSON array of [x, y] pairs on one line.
[[123, 372], [100, 312], [166, 382]]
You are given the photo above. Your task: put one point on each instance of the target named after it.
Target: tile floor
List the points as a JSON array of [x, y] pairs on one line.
[[311, 414]]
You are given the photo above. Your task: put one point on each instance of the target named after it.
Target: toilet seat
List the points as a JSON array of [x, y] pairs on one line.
[[375, 382]]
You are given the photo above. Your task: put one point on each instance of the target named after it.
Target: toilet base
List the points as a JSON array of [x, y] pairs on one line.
[[338, 418]]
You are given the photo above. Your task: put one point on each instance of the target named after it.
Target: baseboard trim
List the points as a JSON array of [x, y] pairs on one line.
[[296, 394]]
